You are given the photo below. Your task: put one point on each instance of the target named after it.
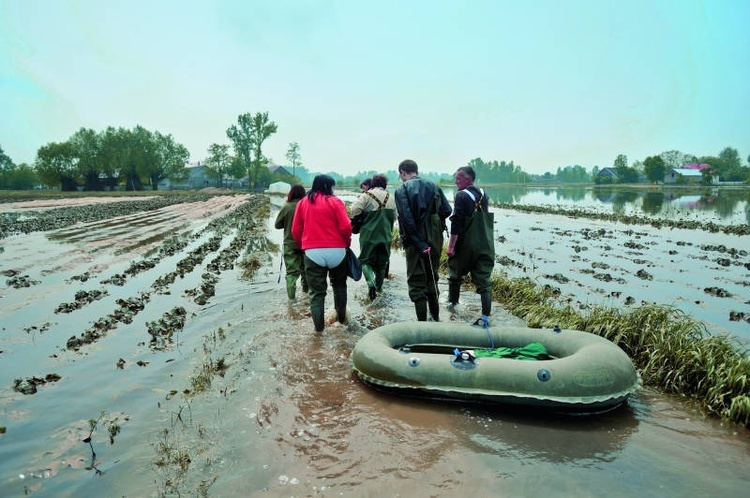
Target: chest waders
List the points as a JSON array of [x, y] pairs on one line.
[[475, 254], [375, 238], [427, 264]]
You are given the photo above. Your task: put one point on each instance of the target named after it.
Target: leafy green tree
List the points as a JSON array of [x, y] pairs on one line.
[[237, 168], [142, 153], [293, 156], [127, 152], [494, 172], [621, 162], [20, 177], [248, 137], [114, 152], [55, 165], [675, 159], [219, 161], [241, 136], [625, 173], [169, 161], [654, 169], [5, 160], [572, 174], [86, 149], [23, 177], [730, 158]]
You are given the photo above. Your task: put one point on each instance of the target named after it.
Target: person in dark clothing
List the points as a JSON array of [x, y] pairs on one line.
[[293, 255], [471, 248], [422, 209]]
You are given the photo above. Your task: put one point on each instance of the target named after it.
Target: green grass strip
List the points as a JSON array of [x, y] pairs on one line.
[[673, 352]]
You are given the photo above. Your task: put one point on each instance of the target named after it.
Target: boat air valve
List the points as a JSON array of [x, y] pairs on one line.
[[543, 375], [463, 356], [463, 360], [414, 361], [557, 329]]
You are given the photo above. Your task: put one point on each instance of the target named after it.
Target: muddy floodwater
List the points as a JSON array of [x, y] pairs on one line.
[[137, 360]]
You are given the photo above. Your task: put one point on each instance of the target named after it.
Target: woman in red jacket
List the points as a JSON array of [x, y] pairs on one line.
[[322, 228]]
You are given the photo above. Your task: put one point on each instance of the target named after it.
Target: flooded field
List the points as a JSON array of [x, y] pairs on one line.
[[155, 353]]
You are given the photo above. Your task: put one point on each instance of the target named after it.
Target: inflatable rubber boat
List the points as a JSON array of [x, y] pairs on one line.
[[556, 369]]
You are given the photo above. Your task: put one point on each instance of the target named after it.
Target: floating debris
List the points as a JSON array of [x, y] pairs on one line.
[[20, 281], [717, 292], [29, 385], [643, 274]]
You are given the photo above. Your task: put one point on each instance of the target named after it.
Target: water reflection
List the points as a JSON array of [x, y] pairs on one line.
[[569, 440], [528, 435], [706, 204], [652, 202]]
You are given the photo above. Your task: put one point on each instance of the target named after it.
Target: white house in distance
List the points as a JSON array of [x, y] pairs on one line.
[[689, 173]]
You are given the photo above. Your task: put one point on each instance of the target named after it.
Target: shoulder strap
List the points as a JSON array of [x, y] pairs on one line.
[[477, 202], [381, 205]]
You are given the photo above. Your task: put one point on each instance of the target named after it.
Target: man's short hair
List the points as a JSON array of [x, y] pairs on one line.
[[408, 166], [468, 171]]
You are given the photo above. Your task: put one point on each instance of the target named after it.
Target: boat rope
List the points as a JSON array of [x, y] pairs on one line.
[[486, 323]]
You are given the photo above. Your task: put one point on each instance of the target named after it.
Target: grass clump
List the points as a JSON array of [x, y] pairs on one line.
[[674, 352]]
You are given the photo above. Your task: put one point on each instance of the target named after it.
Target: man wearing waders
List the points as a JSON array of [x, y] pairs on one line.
[[471, 248], [422, 209], [373, 214]]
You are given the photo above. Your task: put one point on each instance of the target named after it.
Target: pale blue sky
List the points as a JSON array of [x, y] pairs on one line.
[[362, 85]]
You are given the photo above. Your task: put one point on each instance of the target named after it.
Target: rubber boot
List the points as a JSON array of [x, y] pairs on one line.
[[432, 301], [291, 286], [369, 275], [454, 290], [339, 302], [486, 303], [318, 319], [421, 308], [379, 278]]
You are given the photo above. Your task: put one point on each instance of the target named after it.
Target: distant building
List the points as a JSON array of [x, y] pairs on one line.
[[690, 173], [199, 177], [608, 174], [275, 168]]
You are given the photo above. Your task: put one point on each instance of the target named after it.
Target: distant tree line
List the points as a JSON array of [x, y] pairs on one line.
[[727, 165], [138, 158], [92, 160]]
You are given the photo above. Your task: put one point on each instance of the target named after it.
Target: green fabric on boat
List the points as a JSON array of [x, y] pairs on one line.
[[531, 351]]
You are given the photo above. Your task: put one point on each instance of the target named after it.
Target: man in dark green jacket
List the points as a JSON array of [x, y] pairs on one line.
[[422, 209]]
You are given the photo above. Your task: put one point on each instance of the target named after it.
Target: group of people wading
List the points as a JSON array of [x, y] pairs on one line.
[[318, 232]]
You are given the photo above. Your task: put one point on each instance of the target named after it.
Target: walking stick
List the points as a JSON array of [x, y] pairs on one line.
[[281, 263], [432, 270]]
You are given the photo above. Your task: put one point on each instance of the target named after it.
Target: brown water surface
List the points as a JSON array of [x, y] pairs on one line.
[[288, 418]]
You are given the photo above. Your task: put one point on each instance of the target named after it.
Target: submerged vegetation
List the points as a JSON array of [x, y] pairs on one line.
[[672, 351], [741, 229]]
